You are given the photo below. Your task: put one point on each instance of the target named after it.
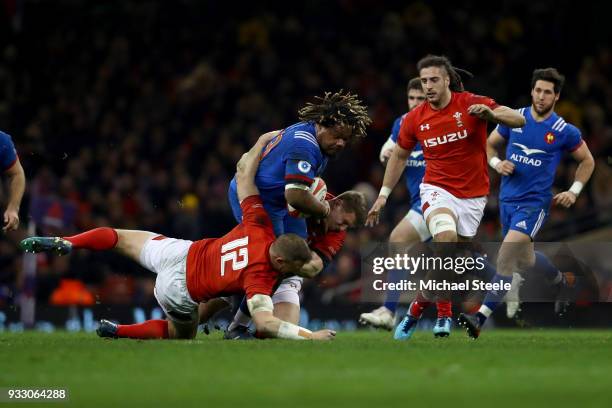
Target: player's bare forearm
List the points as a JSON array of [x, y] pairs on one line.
[[245, 185], [208, 309], [395, 166], [393, 172], [491, 151], [269, 326], [16, 186], [583, 174], [494, 142], [313, 267], [504, 115], [503, 167], [305, 202], [247, 166], [586, 164], [266, 325]]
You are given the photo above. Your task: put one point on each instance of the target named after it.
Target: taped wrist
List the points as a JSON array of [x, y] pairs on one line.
[[576, 188], [385, 191], [293, 332], [494, 162]]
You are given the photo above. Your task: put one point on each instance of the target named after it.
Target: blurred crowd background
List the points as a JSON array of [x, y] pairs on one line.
[[133, 114]]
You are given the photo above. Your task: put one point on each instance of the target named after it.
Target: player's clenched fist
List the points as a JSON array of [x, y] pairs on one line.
[[482, 111], [262, 141], [324, 334], [565, 199], [505, 167], [374, 214]]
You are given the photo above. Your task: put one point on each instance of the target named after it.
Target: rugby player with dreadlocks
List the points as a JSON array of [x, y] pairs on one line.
[[289, 164], [452, 129]]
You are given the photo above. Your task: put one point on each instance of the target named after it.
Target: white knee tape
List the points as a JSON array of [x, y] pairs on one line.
[[260, 303], [442, 222]]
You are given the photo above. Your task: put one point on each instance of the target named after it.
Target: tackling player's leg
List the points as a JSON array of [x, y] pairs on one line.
[[131, 243], [128, 242]]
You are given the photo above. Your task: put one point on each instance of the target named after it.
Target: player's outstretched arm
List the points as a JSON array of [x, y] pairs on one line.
[[393, 172], [261, 309], [502, 115], [508, 117], [586, 165], [494, 142], [246, 168], [16, 183]]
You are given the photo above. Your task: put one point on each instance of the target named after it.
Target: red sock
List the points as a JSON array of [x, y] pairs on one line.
[[97, 239], [418, 306], [151, 329], [445, 308]]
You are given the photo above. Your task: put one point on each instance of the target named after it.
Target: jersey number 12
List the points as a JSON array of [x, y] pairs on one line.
[[237, 252]]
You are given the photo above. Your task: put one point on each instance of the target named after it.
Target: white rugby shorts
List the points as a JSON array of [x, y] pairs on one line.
[[288, 291], [167, 257], [468, 211]]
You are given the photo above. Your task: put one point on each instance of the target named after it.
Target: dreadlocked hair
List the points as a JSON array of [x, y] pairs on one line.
[[338, 108], [454, 73]]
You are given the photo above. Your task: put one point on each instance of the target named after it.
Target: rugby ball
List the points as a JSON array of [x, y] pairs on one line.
[[318, 189]]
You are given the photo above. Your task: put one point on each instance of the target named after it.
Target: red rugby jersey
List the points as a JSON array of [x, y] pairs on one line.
[[238, 262], [454, 144]]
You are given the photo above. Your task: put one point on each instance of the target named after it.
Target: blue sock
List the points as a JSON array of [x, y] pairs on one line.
[[395, 275], [493, 298], [243, 307], [489, 270], [544, 266]]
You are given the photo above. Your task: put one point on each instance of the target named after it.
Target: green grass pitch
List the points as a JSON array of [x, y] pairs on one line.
[[518, 368]]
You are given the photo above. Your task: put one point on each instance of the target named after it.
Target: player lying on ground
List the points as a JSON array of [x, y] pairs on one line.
[[451, 127], [528, 172], [249, 259], [289, 165], [325, 238], [348, 210]]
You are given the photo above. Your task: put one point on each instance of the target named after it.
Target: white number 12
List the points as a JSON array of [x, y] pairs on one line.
[[239, 254]]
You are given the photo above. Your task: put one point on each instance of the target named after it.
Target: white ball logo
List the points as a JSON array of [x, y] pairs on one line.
[[304, 166]]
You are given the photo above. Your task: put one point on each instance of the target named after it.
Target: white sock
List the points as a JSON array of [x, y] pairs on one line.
[[485, 311], [240, 319]]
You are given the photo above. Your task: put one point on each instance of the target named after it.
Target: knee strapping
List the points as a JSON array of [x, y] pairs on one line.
[[442, 222]]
